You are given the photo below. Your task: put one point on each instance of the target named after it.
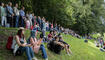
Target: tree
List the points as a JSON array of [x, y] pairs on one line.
[[82, 16]]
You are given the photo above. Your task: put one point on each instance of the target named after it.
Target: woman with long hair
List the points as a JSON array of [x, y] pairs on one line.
[[23, 46], [37, 44]]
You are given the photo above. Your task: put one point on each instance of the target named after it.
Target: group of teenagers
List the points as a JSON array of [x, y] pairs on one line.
[[33, 45]]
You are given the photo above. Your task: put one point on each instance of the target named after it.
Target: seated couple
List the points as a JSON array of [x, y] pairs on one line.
[[33, 45], [58, 44]]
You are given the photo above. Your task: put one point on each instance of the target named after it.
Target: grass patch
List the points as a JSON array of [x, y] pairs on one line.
[[81, 50]]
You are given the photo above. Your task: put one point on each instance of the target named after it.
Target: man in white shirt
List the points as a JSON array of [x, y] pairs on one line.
[[16, 17]]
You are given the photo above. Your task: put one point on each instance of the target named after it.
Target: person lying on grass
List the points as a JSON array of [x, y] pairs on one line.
[[36, 44], [23, 46]]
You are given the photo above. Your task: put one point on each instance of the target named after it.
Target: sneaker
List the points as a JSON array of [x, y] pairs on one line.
[[35, 58]]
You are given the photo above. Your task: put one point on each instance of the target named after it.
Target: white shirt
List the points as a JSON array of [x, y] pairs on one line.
[[16, 11]]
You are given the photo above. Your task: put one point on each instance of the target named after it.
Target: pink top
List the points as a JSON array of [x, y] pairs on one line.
[[51, 25], [35, 46]]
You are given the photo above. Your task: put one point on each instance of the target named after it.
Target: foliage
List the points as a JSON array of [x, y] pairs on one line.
[[83, 16]]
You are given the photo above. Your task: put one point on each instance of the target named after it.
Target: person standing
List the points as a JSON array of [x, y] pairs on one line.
[[22, 16], [16, 17], [47, 26], [33, 19], [39, 21], [3, 15], [10, 14], [30, 18], [43, 27]]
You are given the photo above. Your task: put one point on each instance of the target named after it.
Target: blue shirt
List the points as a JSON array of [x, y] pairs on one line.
[[22, 13], [30, 16], [43, 26], [9, 11]]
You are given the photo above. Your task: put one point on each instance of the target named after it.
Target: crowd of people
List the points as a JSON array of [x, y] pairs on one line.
[[100, 43], [30, 47], [13, 17], [33, 45]]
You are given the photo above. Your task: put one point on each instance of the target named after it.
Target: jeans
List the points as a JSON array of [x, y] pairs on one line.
[[16, 21], [3, 21], [44, 54], [10, 21], [44, 32], [22, 22], [29, 52], [47, 28]]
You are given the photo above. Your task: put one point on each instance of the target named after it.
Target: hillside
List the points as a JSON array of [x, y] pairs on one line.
[[80, 50]]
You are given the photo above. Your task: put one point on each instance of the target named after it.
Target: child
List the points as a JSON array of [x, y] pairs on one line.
[[27, 23]]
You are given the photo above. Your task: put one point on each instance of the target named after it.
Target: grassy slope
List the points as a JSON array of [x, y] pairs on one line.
[[81, 50]]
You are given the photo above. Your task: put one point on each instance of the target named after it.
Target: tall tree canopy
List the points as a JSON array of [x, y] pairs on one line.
[[83, 16]]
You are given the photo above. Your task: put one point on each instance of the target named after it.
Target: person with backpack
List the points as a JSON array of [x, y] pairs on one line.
[[36, 44], [23, 46]]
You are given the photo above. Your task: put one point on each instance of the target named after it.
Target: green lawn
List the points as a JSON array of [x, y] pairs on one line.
[[80, 50]]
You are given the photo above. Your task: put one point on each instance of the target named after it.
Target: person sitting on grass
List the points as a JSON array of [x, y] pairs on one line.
[[97, 44], [55, 46], [49, 38], [36, 44], [50, 35], [103, 47], [67, 46], [54, 33], [60, 45], [23, 46], [36, 27]]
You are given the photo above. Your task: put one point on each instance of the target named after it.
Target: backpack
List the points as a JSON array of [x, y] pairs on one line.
[[16, 49], [86, 41], [18, 52], [9, 42]]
